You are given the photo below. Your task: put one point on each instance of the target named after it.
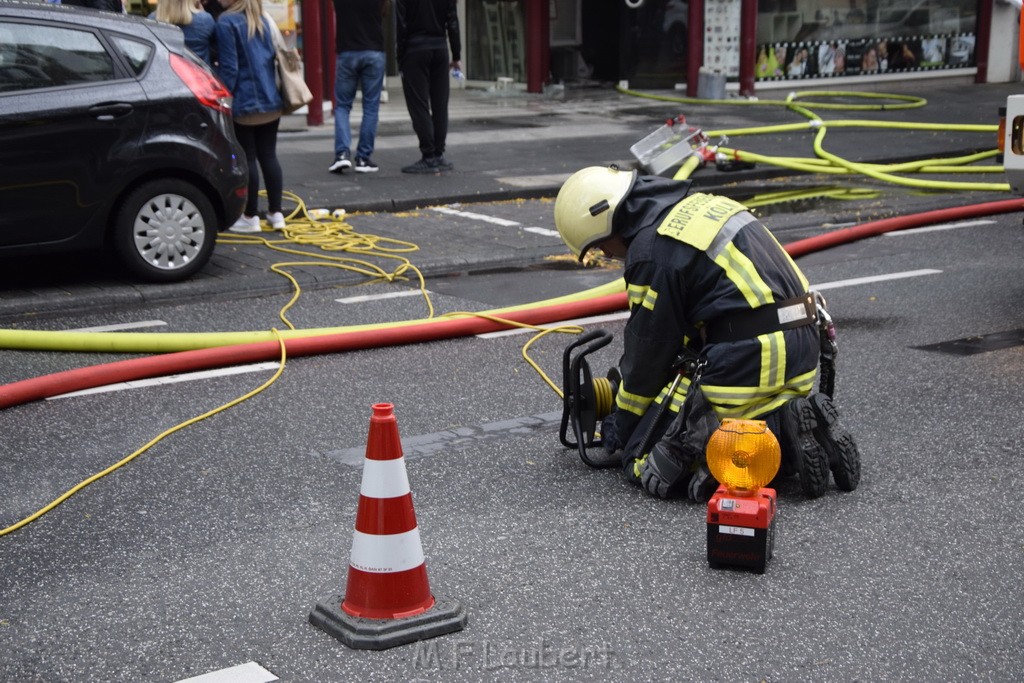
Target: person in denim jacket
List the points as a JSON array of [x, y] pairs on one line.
[[198, 26], [246, 65]]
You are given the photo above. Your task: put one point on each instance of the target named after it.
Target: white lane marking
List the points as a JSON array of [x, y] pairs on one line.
[[874, 278], [536, 180], [122, 326], [504, 222], [375, 297], [250, 672], [547, 232], [171, 379], [577, 321], [475, 216], [936, 228]]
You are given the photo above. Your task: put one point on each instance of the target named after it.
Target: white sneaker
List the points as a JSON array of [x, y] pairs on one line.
[[276, 220], [246, 224]]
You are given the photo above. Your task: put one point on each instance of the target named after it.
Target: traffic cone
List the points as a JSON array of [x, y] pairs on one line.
[[387, 599]]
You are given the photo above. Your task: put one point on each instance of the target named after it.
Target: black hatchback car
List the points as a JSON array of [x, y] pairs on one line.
[[112, 135]]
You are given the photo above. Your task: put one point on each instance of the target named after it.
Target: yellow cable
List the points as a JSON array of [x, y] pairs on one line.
[[96, 477]]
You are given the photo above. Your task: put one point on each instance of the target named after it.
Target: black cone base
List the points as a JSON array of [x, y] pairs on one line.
[[446, 616]]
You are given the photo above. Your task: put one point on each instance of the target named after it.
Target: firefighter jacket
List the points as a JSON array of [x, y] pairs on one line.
[[690, 266]]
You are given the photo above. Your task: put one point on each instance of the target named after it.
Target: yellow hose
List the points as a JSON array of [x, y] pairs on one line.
[[159, 342], [827, 162]]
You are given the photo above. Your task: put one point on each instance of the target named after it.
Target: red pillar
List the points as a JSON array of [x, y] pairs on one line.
[[983, 32], [328, 53], [748, 46], [695, 52], [538, 44], [312, 58]]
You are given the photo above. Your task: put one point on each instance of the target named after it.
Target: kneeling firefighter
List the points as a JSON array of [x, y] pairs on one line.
[[713, 295]]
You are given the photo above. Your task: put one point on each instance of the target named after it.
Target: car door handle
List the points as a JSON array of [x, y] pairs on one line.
[[110, 110]]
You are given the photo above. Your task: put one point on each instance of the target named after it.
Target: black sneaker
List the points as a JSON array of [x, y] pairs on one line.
[[800, 446], [442, 163], [365, 166], [421, 166], [341, 162], [843, 456]]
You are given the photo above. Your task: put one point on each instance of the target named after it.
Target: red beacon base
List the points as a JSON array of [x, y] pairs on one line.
[[741, 529]]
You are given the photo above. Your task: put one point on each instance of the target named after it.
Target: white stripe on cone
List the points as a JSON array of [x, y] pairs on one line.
[[386, 553], [384, 478]]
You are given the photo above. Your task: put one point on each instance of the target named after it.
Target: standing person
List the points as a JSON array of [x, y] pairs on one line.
[[423, 60], [360, 63], [197, 25], [245, 62], [707, 281]]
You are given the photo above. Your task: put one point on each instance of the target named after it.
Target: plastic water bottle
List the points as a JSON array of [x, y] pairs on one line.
[[457, 73]]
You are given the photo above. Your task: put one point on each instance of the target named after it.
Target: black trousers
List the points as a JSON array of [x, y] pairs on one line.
[[425, 85], [260, 145]]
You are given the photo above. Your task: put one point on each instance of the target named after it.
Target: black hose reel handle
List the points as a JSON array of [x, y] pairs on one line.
[[579, 403]]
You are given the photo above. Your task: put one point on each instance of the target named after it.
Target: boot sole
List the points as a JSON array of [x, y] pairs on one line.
[[812, 460], [843, 456]]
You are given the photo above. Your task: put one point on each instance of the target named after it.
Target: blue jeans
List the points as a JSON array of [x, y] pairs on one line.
[[365, 70]]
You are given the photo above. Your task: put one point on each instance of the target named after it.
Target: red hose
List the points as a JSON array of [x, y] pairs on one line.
[[54, 384], [915, 220]]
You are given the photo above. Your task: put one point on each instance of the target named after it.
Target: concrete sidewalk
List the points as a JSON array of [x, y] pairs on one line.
[[494, 135]]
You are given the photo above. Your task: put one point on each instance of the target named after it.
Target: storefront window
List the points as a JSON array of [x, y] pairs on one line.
[[800, 38], [495, 40]]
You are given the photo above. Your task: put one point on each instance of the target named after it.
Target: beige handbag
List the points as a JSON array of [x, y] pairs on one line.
[[290, 78]]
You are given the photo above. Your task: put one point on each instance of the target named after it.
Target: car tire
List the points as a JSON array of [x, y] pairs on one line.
[[165, 231]]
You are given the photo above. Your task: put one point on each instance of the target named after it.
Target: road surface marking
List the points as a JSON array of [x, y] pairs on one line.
[[547, 232], [475, 216], [935, 228], [171, 379], [504, 222], [375, 297], [874, 278], [250, 672], [122, 326]]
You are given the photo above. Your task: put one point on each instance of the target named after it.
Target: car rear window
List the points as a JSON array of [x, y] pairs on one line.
[[137, 53], [36, 56]]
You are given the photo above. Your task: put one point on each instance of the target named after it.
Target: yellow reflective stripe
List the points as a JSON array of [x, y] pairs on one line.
[[773, 359], [757, 409], [723, 395], [632, 403], [697, 219], [650, 299], [638, 464], [741, 272], [641, 295], [677, 398]]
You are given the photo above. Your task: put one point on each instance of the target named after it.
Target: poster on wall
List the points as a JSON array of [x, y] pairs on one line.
[[823, 59], [283, 12]]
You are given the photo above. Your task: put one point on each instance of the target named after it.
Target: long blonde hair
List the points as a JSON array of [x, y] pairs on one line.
[[253, 11], [177, 12]]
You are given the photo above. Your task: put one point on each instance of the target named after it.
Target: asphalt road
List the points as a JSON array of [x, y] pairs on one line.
[[209, 549]]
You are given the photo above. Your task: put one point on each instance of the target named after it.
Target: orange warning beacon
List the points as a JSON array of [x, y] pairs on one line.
[[743, 455]]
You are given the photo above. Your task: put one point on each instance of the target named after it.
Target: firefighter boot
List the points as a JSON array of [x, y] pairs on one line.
[[843, 456], [801, 448]]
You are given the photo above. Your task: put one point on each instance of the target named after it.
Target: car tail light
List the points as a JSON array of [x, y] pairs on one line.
[[203, 84]]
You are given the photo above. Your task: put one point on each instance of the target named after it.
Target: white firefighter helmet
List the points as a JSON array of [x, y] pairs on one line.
[[586, 205]]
